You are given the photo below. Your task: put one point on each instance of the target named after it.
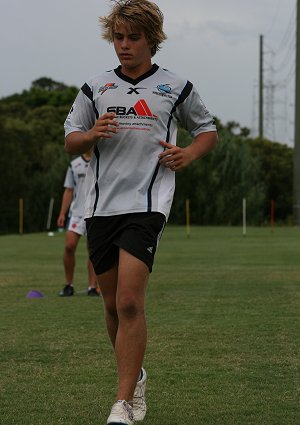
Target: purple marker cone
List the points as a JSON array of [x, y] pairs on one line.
[[35, 294]]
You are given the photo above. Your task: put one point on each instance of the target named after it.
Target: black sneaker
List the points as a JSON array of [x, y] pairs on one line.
[[92, 292], [67, 291]]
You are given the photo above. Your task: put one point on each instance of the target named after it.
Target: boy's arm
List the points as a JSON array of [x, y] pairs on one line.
[[65, 204], [177, 158], [79, 142]]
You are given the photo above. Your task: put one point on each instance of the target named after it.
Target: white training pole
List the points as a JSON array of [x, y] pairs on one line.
[[50, 213], [244, 217]]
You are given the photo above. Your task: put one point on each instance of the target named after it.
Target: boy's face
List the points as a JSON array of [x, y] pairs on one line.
[[132, 49]]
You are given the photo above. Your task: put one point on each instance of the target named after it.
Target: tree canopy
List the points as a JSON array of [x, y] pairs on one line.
[[33, 165]]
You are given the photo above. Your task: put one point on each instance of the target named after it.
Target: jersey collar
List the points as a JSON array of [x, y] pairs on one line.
[[152, 71]]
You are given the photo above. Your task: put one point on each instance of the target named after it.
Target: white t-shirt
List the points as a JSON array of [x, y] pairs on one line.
[[75, 178], [124, 175]]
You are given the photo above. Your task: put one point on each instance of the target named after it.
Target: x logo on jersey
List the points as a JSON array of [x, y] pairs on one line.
[[135, 90]]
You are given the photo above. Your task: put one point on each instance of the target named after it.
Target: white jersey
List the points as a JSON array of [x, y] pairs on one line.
[[124, 174], [75, 178]]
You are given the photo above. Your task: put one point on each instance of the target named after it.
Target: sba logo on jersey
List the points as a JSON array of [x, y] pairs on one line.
[[140, 109]]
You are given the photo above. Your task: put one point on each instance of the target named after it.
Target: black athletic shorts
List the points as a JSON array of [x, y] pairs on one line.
[[136, 233]]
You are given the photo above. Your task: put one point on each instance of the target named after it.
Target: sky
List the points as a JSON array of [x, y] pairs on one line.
[[212, 43]]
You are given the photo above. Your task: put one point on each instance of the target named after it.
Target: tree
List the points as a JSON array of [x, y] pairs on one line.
[[277, 173], [217, 184], [45, 83], [33, 161], [33, 164]]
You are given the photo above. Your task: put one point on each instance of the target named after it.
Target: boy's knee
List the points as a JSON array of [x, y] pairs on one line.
[[70, 249], [128, 307]]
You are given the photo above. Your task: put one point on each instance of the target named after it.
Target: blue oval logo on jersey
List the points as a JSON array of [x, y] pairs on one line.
[[164, 88]]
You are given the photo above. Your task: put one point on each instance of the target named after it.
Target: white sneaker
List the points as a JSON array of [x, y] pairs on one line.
[[121, 413], [139, 402]]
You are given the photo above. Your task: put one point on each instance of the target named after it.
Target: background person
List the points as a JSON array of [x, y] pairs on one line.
[[73, 202]]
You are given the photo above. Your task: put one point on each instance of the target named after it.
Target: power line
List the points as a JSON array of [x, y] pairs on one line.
[[274, 19], [279, 70], [287, 33]]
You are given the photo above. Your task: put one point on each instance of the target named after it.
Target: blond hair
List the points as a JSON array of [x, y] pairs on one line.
[[141, 14]]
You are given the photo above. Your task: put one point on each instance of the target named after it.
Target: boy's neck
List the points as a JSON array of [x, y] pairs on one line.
[[135, 73]]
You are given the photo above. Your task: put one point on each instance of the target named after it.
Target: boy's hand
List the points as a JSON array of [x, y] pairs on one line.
[[174, 157], [106, 126]]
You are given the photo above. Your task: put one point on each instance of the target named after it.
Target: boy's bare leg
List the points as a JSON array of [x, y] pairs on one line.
[[131, 337], [123, 290], [92, 275], [108, 287], [71, 243]]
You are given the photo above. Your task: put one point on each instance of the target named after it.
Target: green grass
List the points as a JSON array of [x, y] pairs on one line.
[[224, 332]]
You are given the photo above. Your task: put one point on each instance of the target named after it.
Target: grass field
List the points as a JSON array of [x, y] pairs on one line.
[[224, 332]]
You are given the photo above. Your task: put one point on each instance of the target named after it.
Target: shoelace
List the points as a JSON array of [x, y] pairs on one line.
[[139, 393], [126, 406], [129, 410]]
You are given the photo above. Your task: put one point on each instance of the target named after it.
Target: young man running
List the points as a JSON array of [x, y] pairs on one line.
[[129, 116]]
